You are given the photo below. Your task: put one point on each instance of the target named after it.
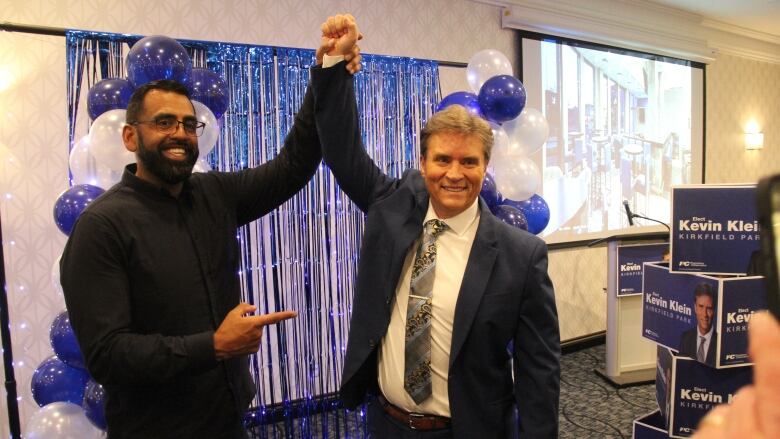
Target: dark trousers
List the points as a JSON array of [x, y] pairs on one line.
[[382, 426]]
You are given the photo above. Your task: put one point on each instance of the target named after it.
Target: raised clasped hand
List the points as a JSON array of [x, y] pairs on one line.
[[340, 35]]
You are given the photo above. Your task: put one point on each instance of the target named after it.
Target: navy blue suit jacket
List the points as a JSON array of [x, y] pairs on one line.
[[688, 345], [506, 300]]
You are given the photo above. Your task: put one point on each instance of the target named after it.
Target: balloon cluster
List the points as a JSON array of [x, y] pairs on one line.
[[99, 157], [518, 132], [531, 214], [72, 403]]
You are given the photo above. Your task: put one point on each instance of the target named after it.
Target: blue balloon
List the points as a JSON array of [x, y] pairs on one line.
[[94, 404], [489, 192], [108, 94], [64, 343], [55, 381], [464, 99], [209, 89], [502, 98], [71, 203], [536, 211], [511, 216], [158, 57]]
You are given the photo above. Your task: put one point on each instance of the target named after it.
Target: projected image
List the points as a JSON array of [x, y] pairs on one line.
[[621, 128]]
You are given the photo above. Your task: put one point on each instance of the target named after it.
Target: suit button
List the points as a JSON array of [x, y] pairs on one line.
[[371, 343]]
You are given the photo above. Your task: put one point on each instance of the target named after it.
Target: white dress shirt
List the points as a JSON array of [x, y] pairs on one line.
[[452, 252], [706, 342]]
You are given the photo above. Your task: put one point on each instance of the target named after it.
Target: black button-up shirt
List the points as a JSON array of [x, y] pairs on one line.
[[148, 278]]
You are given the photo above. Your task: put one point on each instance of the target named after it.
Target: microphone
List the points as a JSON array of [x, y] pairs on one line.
[[628, 213], [632, 215]]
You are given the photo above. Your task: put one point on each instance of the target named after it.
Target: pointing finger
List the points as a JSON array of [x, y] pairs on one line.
[[273, 318]]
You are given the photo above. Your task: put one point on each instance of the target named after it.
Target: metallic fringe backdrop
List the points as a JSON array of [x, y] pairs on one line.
[[302, 256]]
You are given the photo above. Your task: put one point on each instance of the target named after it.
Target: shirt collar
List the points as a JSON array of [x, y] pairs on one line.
[[460, 222], [130, 179]]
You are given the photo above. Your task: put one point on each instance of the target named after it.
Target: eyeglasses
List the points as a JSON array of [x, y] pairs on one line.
[[169, 125]]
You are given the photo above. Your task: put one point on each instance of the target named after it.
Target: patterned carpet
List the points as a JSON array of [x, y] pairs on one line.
[[590, 407]]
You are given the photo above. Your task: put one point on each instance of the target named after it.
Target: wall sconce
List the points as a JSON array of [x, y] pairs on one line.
[[754, 140]]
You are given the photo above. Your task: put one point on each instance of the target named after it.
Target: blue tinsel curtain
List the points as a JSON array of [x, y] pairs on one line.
[[302, 256]]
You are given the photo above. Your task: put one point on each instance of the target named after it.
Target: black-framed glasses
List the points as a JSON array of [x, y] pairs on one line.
[[169, 125]]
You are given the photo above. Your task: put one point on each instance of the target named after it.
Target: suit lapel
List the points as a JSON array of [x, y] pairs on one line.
[[475, 279], [712, 349], [411, 229]]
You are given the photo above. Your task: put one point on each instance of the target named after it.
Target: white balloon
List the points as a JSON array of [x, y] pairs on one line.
[[61, 420], [484, 65], [517, 177], [500, 141], [527, 132], [210, 134], [86, 170], [105, 141], [201, 166]]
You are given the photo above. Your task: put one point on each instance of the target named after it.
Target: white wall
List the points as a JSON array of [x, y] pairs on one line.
[[33, 172], [739, 92]]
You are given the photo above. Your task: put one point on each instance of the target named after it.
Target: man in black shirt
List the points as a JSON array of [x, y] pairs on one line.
[[150, 272]]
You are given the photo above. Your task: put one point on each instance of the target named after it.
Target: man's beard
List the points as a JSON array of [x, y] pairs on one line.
[[169, 171]]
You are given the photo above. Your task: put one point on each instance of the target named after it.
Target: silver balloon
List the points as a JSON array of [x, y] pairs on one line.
[[210, 135], [484, 65], [517, 177], [86, 170], [61, 420], [527, 132], [105, 141]]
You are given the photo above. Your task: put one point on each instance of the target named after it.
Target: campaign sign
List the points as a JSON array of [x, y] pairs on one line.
[[714, 229], [679, 309], [650, 426], [740, 298], [630, 259], [668, 303], [697, 389], [663, 383]]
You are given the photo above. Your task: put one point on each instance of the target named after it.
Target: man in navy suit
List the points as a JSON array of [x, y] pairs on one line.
[[699, 342], [487, 304]]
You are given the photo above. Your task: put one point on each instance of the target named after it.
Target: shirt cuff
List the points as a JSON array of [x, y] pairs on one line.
[[330, 61], [200, 348]]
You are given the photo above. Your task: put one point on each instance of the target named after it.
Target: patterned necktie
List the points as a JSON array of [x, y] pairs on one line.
[[417, 365], [700, 351]]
